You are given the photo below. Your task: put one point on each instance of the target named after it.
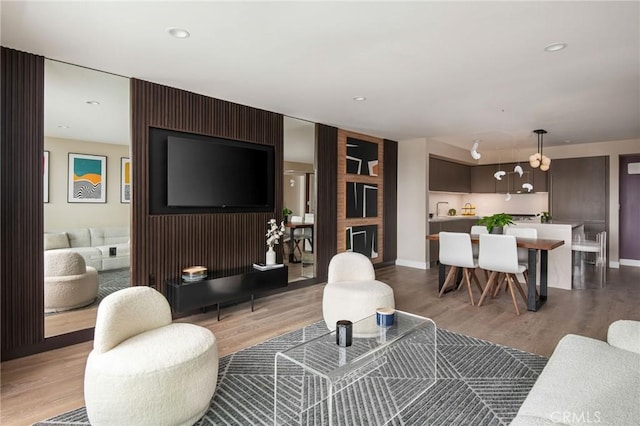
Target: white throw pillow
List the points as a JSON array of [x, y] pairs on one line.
[[56, 240]]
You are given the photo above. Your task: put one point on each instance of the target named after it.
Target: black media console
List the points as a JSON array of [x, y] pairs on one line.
[[224, 286]]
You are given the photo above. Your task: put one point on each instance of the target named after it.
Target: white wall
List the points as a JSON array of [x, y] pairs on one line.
[[58, 213], [414, 201]]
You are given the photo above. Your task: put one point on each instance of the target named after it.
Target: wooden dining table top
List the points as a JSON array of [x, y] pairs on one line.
[[528, 243], [298, 225]]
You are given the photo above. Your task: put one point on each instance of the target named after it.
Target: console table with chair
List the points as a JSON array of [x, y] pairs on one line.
[[299, 232]]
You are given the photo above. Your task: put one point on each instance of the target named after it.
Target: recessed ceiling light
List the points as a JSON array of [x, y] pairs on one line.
[[63, 126], [359, 98], [178, 32], [555, 47], [567, 141], [93, 102]]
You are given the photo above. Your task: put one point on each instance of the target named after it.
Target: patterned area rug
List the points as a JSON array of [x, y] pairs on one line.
[[112, 281], [478, 383]]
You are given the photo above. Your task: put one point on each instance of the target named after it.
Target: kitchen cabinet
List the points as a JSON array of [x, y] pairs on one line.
[[482, 180], [448, 176], [540, 180], [579, 192], [451, 225]]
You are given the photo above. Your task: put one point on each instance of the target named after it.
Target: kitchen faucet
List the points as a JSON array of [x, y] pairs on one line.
[[438, 207]]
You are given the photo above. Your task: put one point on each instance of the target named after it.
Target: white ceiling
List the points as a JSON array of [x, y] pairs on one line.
[[448, 71], [67, 114]]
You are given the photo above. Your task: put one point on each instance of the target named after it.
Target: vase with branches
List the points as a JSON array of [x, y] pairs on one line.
[[274, 232]]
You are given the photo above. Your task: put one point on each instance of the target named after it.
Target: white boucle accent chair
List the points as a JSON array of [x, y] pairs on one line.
[[352, 291], [588, 381], [68, 282], [144, 369]]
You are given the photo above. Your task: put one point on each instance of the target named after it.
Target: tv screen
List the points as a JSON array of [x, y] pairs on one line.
[[198, 174]]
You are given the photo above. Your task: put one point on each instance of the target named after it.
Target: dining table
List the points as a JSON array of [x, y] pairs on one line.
[[293, 226], [536, 247]]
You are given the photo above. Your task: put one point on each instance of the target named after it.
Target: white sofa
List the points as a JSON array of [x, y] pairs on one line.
[[587, 381], [93, 245]]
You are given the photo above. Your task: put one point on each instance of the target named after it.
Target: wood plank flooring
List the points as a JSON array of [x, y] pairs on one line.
[[40, 386]]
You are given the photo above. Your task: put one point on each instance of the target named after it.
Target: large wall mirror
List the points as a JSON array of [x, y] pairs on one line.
[[87, 199], [299, 198]]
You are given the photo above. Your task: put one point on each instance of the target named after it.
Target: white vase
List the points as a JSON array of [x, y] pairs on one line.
[[271, 256]]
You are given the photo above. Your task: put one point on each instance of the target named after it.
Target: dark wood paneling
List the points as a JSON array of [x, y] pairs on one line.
[[327, 185], [390, 201], [22, 94], [162, 245]]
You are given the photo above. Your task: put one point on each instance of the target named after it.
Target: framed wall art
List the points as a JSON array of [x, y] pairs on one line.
[[45, 176], [362, 239], [362, 200], [125, 180], [87, 181], [362, 157]]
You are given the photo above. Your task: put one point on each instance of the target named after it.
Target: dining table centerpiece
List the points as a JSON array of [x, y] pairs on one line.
[[274, 232], [495, 223]]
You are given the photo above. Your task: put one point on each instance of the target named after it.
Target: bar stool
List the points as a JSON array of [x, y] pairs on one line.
[[455, 251], [581, 248], [499, 254]]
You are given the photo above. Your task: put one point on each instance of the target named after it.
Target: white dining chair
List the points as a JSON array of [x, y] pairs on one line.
[[523, 253], [477, 230], [455, 251], [499, 254]]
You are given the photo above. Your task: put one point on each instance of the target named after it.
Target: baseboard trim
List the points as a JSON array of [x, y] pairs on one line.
[[412, 264], [630, 262]]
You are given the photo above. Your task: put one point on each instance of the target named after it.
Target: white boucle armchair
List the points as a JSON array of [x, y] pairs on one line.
[[352, 291], [68, 282], [144, 369]]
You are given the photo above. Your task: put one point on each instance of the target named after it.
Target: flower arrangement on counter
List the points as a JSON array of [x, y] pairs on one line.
[[544, 217], [274, 232]]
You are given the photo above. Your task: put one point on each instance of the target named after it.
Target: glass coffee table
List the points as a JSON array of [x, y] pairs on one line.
[[370, 382]]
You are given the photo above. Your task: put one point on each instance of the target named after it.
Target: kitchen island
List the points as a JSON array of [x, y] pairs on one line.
[[559, 261]]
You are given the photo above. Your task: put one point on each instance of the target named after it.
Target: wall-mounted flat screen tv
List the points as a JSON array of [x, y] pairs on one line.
[[198, 174]]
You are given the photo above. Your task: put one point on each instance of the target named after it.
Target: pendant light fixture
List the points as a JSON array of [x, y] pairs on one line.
[[538, 159]]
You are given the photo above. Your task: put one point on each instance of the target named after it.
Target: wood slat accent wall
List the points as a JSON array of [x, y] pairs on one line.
[[162, 245], [22, 274], [390, 201], [326, 219], [343, 178]]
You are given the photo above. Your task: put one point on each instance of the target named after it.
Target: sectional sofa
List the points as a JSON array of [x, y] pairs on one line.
[[588, 381], [94, 244]]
